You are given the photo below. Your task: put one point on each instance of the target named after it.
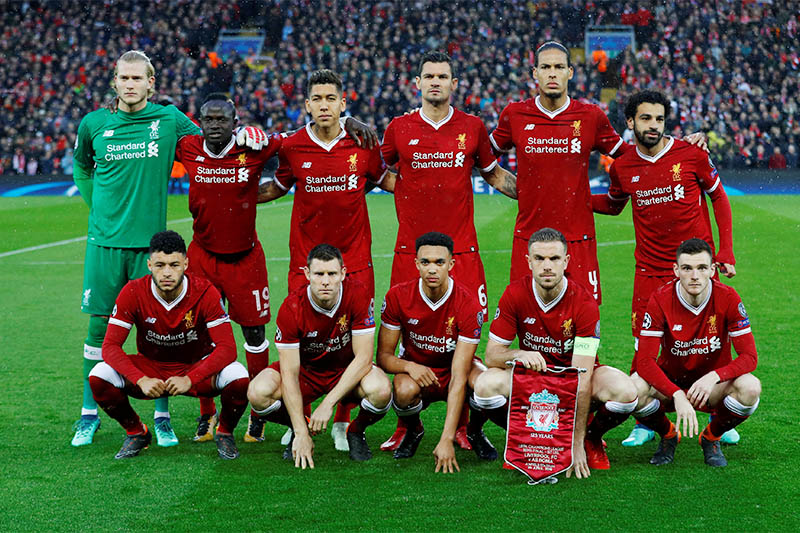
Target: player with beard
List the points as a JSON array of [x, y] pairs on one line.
[[667, 181]]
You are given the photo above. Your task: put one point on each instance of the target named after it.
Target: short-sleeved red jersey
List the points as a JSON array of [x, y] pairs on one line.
[[434, 187], [324, 337], [223, 190], [178, 333], [553, 151], [694, 340], [549, 329], [666, 193], [329, 203], [431, 330]]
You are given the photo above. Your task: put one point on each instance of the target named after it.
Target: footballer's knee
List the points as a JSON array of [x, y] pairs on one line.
[[493, 382], [747, 389], [406, 390], [642, 389], [254, 335], [377, 388], [264, 389]]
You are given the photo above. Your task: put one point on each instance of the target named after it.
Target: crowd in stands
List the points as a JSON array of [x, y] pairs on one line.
[[730, 67]]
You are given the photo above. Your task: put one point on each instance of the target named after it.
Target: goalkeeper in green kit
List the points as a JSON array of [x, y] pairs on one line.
[[122, 166]]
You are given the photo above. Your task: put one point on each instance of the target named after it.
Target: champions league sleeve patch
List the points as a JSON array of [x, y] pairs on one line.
[[647, 321], [597, 329], [742, 310], [480, 318], [497, 313], [383, 306], [278, 334]]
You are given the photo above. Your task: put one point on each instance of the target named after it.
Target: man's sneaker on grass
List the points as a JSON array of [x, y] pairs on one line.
[[165, 435], [461, 438], [339, 436], [226, 447], [730, 437], [639, 435], [481, 446], [255, 429], [205, 428], [408, 447], [359, 449], [712, 452], [394, 441], [133, 444], [665, 453], [85, 428], [287, 452], [287, 437], [596, 457]]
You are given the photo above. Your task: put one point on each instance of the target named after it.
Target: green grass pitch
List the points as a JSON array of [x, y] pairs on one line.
[[49, 486]]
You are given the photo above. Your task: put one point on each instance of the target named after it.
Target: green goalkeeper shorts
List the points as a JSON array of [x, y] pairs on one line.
[[105, 272]]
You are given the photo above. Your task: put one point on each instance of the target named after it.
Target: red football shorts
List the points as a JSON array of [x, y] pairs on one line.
[[468, 271], [243, 282], [582, 268], [164, 371], [315, 383], [438, 393], [643, 287], [365, 276]]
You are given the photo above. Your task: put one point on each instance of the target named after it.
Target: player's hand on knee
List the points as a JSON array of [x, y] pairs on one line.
[[252, 137], [686, 417], [579, 465], [423, 375], [319, 418], [303, 451], [700, 390], [178, 385], [151, 387], [445, 455]]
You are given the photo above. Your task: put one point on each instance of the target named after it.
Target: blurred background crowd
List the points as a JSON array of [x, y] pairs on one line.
[[730, 67]]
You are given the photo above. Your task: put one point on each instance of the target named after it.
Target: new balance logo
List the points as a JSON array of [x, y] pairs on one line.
[[412, 142], [529, 320], [150, 320], [307, 164], [634, 179], [529, 127], [108, 133], [200, 158], [413, 321], [311, 334], [677, 327]]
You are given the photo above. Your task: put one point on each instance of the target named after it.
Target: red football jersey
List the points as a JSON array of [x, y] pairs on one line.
[[434, 187], [174, 334], [694, 340], [324, 336], [223, 190], [553, 151], [329, 202], [668, 203], [549, 329], [431, 329]]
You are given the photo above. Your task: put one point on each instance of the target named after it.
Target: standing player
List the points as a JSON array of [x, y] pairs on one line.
[[122, 165], [435, 150], [693, 321], [554, 137], [185, 346], [549, 314], [225, 248], [666, 179], [324, 337], [440, 324], [330, 172]]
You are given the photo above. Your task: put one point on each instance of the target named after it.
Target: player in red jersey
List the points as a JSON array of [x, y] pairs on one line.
[[330, 172], [324, 337], [440, 325], [185, 346], [550, 314], [434, 151], [225, 249], [693, 321], [554, 137], [665, 179]]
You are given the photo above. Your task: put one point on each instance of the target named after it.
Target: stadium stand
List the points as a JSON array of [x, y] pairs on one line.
[[730, 67]]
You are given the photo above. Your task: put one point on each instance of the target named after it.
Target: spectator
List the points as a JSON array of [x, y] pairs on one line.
[[791, 156], [776, 160]]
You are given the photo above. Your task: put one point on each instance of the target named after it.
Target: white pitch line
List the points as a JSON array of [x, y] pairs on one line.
[[79, 239]]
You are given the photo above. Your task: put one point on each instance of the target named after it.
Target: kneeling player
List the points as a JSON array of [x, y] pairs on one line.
[[324, 337], [440, 323], [693, 321], [548, 313], [185, 344]]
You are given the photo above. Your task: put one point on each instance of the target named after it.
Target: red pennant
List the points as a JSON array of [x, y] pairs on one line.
[[541, 421]]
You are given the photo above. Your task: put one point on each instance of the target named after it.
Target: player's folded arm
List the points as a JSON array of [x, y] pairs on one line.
[[646, 366], [388, 337], [114, 355]]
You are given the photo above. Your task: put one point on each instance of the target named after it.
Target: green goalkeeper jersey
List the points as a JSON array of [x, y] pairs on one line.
[[130, 157]]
